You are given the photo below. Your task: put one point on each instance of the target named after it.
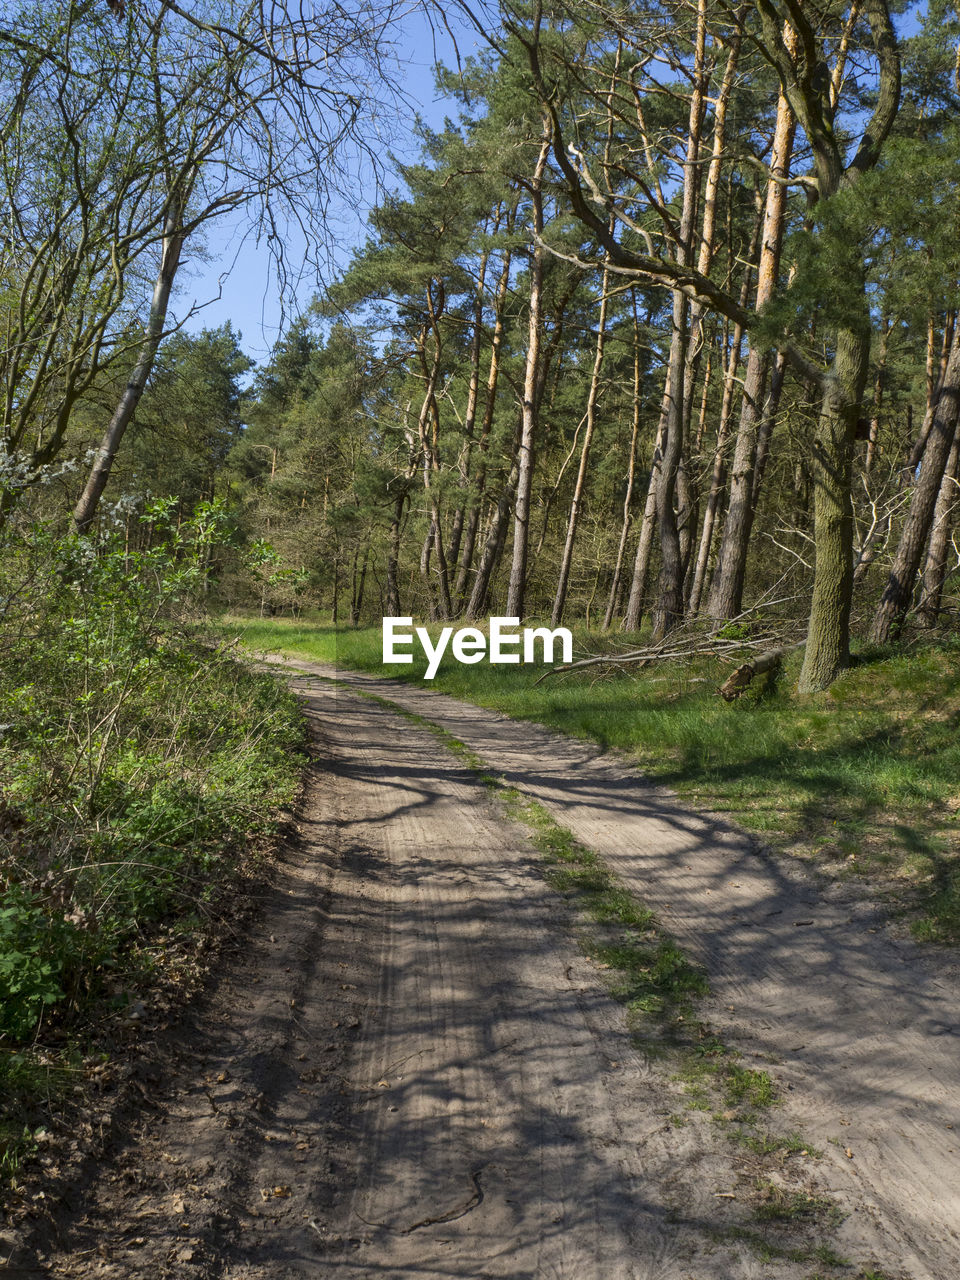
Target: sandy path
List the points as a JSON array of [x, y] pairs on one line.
[[864, 1028], [411, 1071]]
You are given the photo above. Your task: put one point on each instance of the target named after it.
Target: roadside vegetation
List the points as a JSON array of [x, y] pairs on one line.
[[862, 778], [138, 757]]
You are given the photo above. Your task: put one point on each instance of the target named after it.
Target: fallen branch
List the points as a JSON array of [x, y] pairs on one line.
[[669, 650]]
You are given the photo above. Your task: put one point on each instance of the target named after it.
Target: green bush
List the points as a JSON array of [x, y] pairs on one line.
[[33, 952], [136, 753]]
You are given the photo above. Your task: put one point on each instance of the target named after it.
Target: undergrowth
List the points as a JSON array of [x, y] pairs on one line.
[[137, 755]]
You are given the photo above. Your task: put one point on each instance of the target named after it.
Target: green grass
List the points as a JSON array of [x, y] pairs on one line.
[[864, 778], [776, 1144], [768, 1251], [650, 974], [783, 1204], [715, 1081]]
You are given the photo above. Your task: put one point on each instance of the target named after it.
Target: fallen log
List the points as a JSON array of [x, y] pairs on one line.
[[686, 643], [738, 680]]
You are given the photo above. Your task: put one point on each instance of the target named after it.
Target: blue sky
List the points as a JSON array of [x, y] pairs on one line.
[[240, 270]]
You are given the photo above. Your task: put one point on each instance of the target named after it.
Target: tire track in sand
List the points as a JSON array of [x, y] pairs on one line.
[[863, 1028]]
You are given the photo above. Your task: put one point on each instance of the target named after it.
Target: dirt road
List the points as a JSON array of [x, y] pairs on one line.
[[415, 1073]]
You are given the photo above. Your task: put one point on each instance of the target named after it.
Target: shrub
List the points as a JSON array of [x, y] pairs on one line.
[[135, 753], [33, 951]]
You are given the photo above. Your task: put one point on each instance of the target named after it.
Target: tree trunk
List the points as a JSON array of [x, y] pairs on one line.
[[631, 475], [641, 561], [470, 412], [443, 575], [895, 600], [531, 388], [428, 428], [171, 248], [668, 610], [726, 593], [738, 680], [426, 553], [935, 568], [719, 474], [592, 396], [357, 586], [936, 376], [575, 503], [771, 407], [878, 385], [393, 560], [828, 636], [691, 486], [493, 374], [493, 545], [669, 605]]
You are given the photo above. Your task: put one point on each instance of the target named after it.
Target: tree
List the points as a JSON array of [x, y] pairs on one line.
[[190, 417], [312, 468], [155, 123], [794, 44], [933, 466], [532, 389], [512, 412]]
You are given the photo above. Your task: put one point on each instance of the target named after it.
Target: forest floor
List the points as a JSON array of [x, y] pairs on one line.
[[416, 1068]]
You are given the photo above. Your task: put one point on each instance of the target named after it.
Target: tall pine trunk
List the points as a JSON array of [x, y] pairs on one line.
[[726, 592], [428, 428], [576, 501], [493, 375], [470, 411], [641, 560], [531, 393], [718, 477], [631, 476], [393, 558], [492, 546], [669, 605]]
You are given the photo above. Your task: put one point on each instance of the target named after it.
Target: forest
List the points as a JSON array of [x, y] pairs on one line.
[[660, 329], [656, 337]]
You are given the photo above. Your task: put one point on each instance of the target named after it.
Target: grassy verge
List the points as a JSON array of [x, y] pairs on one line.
[[107, 899], [864, 778]]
